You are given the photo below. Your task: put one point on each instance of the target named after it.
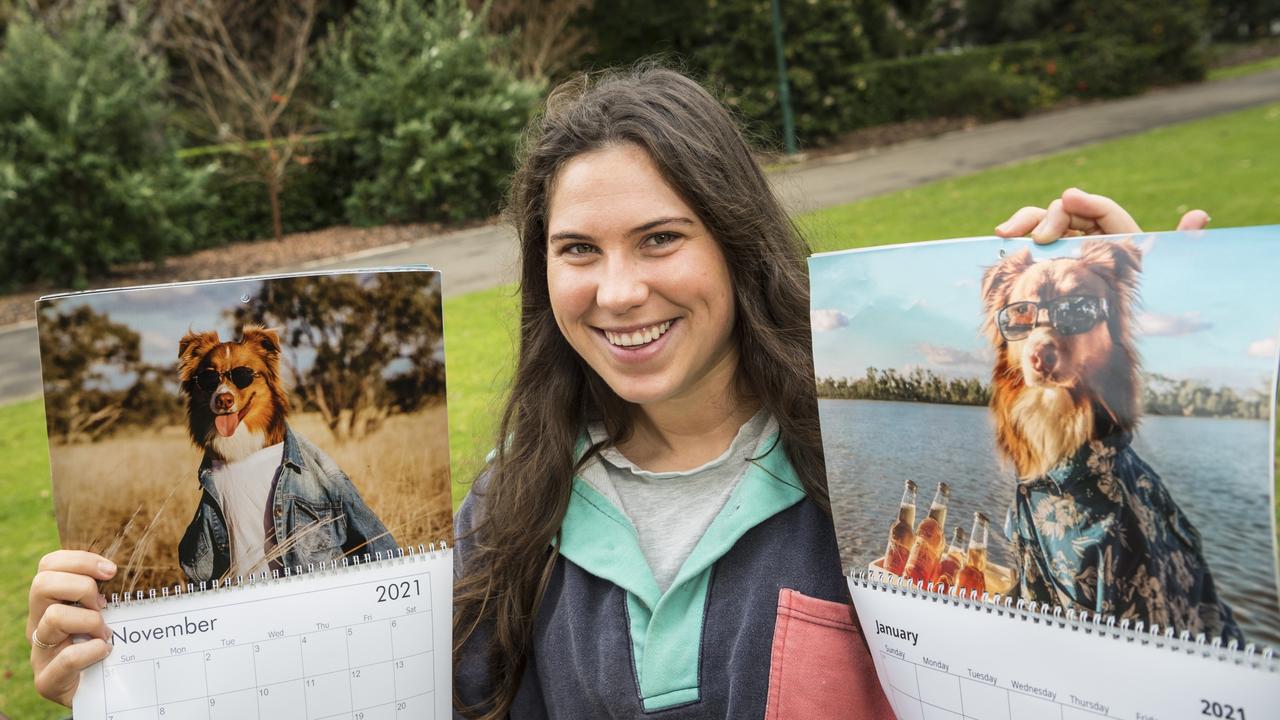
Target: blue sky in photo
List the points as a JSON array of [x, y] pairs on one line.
[[1209, 306]]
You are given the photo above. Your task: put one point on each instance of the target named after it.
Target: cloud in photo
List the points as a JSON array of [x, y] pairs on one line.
[[944, 355], [1265, 348], [827, 319], [1155, 324]]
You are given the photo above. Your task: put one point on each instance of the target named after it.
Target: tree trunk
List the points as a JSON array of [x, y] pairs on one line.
[[273, 190]]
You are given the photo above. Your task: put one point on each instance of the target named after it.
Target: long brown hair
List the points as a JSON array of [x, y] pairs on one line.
[[699, 150]]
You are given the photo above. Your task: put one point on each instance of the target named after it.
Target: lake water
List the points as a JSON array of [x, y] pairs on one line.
[[1218, 471]]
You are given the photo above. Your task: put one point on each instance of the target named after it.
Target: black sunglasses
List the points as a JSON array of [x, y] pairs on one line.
[[1069, 315], [242, 377]]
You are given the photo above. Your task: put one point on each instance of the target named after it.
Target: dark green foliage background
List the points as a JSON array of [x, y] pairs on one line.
[[87, 177], [414, 116], [430, 118]]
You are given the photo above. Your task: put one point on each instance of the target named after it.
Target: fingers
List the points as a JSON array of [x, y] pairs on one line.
[[1020, 223], [60, 622], [50, 588], [79, 562], [1053, 225], [57, 680], [1106, 213], [1194, 220], [67, 576]]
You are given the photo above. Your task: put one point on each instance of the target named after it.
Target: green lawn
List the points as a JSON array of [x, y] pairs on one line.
[[1222, 73], [26, 533], [1225, 165]]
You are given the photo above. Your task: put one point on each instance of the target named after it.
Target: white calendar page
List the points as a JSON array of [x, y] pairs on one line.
[[365, 642], [938, 661]]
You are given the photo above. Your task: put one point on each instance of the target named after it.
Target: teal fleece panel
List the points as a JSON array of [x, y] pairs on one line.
[[666, 628]]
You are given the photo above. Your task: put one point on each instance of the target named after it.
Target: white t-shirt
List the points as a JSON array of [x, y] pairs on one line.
[[245, 489], [672, 510]]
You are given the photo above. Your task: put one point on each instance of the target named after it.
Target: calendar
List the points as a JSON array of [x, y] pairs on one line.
[[1053, 490], [943, 658], [357, 641]]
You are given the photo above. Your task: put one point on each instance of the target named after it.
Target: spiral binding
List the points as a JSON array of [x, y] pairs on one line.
[[1106, 626], [402, 555]]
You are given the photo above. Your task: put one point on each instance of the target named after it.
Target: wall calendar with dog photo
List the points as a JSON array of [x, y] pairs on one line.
[[266, 461], [1052, 471]]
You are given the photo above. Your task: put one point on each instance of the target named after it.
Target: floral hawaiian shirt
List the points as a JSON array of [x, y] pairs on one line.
[[1099, 532]]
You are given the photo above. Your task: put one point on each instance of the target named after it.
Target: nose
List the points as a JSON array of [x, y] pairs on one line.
[[622, 286], [1044, 358], [223, 401]]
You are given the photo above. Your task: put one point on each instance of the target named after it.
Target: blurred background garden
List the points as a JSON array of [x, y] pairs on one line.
[[135, 136], [135, 131]]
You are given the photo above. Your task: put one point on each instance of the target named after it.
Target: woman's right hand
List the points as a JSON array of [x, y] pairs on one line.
[[64, 602]]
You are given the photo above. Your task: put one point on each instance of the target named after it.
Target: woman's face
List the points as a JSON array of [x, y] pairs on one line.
[[639, 287]]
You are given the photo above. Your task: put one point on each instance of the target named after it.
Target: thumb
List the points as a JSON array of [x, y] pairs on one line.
[[1194, 220]]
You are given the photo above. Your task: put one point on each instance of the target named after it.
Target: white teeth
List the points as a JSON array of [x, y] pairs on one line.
[[637, 337]]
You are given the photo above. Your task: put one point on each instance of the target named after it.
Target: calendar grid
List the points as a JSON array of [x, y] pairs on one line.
[[302, 663], [257, 696], [379, 628], [372, 707], [963, 712]]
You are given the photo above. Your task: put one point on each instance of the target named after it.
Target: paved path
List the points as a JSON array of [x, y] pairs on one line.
[[484, 257]]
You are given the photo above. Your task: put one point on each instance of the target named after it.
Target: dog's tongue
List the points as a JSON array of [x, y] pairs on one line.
[[226, 424]]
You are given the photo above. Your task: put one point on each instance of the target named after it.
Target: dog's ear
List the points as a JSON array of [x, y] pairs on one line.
[[995, 287], [1117, 262], [191, 348], [265, 339]]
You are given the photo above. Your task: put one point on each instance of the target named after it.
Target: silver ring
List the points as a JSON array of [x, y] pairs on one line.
[[35, 640]]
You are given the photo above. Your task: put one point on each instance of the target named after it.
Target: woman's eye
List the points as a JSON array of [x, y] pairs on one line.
[[577, 249], [660, 239]]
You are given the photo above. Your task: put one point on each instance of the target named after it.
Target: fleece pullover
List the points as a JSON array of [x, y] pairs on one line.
[[756, 621]]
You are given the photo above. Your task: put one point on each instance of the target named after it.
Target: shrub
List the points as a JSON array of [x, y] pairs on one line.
[[318, 181], [845, 62], [87, 178], [432, 119]]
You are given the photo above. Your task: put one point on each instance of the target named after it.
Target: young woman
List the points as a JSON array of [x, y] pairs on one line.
[[652, 533]]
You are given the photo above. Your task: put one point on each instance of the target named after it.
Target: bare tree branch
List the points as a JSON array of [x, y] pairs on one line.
[[246, 63]]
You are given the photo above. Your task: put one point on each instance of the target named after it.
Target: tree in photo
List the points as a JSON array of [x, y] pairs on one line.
[[362, 346], [87, 361], [246, 62]]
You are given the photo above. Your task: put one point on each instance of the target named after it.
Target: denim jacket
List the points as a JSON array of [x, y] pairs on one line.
[[317, 513]]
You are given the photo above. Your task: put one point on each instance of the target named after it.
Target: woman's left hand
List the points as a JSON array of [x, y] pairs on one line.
[[1080, 213]]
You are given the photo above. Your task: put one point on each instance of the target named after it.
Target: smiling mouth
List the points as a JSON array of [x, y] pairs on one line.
[[636, 338]]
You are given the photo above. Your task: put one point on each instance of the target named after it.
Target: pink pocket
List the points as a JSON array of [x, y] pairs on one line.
[[820, 666]]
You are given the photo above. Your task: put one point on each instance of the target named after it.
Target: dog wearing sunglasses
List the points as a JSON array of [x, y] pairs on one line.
[[270, 499], [1093, 526]]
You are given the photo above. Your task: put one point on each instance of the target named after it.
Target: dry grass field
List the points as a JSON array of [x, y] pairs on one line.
[[130, 497]]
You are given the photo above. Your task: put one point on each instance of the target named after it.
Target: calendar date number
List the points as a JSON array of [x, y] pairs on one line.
[[1221, 710], [399, 591]]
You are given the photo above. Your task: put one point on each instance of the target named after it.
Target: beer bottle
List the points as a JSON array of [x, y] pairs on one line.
[[973, 575], [926, 552], [953, 560], [901, 534]]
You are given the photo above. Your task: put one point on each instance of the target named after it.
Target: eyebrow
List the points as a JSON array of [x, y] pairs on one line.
[[637, 230]]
